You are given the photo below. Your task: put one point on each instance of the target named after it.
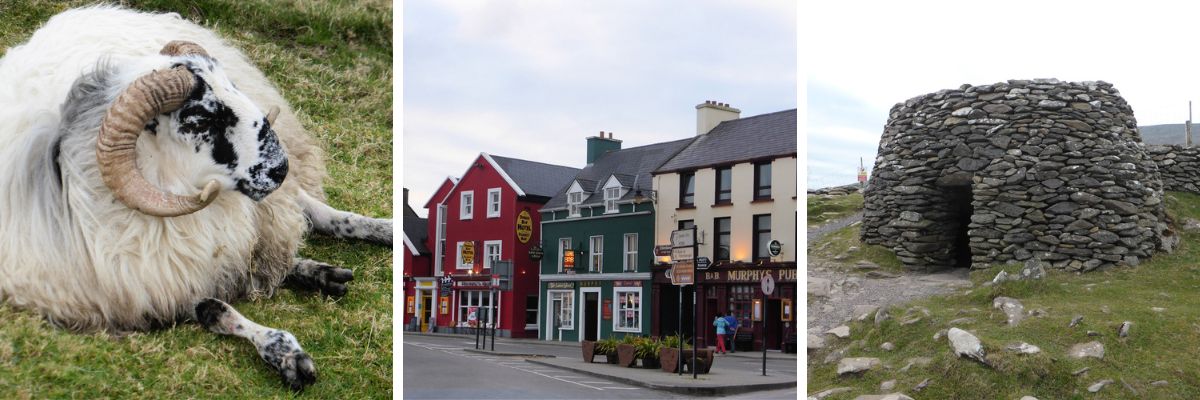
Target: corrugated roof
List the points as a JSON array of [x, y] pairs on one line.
[[759, 137], [629, 165], [535, 178]]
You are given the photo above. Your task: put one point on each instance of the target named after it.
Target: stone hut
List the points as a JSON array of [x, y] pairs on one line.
[[995, 174], [1179, 167]]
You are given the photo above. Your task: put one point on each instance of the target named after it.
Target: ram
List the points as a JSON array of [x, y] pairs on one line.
[[149, 175]]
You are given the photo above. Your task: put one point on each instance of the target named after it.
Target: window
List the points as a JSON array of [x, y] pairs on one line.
[[561, 309], [723, 228], [491, 252], [564, 245], [629, 309], [493, 203], [574, 199], [724, 185], [686, 224], [762, 236], [631, 252], [462, 263], [597, 252], [531, 311], [466, 205], [762, 181], [441, 235], [741, 300], [478, 299], [687, 190], [610, 199]]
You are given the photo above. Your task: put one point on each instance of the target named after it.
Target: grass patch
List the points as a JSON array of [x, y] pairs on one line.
[[332, 61], [844, 245], [825, 208], [1160, 347]]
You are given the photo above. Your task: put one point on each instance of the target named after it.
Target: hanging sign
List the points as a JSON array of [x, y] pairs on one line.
[[535, 253], [524, 226], [775, 248], [447, 284], [568, 259]]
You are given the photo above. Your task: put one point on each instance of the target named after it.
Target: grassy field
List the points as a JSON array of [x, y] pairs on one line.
[[828, 208], [1161, 346], [332, 60]]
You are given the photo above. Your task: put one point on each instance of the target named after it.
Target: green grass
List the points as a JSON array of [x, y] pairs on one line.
[[332, 61], [822, 209], [1161, 346]]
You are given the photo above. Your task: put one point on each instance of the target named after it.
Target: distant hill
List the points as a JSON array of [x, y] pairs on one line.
[[1168, 133]]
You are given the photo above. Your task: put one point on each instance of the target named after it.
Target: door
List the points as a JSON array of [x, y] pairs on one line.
[[553, 319], [426, 310], [710, 312], [591, 314], [774, 326]]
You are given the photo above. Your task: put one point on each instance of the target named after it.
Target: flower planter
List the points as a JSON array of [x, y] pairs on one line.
[[589, 351], [668, 359], [650, 363], [704, 360], [612, 357], [625, 356]]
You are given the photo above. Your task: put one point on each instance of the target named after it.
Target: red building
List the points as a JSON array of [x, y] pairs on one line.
[[488, 215], [419, 281]]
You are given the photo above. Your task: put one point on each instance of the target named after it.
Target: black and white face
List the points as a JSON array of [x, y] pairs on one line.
[[226, 132]]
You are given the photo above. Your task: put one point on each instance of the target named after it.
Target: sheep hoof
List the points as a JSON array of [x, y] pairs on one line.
[[297, 370], [314, 275]]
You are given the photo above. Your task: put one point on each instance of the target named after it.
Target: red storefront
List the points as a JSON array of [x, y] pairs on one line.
[[731, 287], [490, 214]]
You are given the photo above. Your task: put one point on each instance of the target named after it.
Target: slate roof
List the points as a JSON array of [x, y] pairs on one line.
[[752, 138], [415, 227], [629, 165], [535, 178]]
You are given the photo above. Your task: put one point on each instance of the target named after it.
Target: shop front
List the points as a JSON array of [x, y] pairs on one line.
[[594, 309], [420, 308], [731, 288]]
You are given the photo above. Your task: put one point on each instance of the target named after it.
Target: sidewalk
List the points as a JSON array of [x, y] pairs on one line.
[[728, 375]]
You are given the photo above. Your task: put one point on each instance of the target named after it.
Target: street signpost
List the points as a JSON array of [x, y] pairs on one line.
[[683, 253], [703, 263], [768, 287], [662, 251]]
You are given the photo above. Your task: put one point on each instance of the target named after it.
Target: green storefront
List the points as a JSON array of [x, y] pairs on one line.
[[598, 244]]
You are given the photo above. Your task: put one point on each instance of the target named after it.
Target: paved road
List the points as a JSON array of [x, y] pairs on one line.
[[438, 368]]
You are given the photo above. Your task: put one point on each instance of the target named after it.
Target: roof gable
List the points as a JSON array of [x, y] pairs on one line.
[[765, 136], [631, 167]]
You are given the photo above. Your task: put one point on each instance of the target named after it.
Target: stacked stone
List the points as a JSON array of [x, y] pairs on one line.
[[1179, 167], [1052, 170]]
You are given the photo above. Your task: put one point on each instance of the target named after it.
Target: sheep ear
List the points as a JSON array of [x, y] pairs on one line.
[[271, 114]]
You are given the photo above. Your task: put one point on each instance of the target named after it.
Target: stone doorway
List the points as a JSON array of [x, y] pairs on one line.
[[959, 208]]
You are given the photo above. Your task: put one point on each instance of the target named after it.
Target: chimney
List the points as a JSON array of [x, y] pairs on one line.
[[598, 145], [711, 113]]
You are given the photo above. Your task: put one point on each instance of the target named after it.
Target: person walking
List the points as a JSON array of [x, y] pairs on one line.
[[731, 332], [720, 323]]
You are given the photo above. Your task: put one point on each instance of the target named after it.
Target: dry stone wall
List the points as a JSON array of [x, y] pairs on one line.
[[999, 173], [1179, 167]]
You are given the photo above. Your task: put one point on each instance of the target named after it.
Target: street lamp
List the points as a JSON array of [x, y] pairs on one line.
[[639, 197]]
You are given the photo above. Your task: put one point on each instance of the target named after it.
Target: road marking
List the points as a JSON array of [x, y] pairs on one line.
[[621, 388]]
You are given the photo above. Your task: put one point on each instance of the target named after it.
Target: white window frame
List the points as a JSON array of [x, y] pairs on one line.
[[595, 255], [466, 205], [611, 195], [488, 256], [562, 250], [474, 298], [620, 309], [629, 263], [568, 322], [441, 238], [458, 259], [494, 200], [574, 199]]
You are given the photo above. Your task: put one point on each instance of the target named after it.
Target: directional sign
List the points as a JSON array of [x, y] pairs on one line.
[[684, 274], [775, 248], [682, 254], [662, 251], [702, 263], [682, 238], [768, 284]]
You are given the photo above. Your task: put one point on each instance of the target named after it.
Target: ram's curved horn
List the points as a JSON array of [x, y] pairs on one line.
[[271, 114], [182, 48], [150, 95]]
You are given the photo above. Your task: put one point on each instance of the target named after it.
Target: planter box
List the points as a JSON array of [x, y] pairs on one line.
[[650, 363], [625, 355], [668, 358], [589, 351]]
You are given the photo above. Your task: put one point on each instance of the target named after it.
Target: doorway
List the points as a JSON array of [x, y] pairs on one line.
[[426, 310], [591, 316], [773, 325], [958, 202]]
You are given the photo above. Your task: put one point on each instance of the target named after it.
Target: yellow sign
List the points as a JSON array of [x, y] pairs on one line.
[[468, 253], [568, 259], [524, 226]]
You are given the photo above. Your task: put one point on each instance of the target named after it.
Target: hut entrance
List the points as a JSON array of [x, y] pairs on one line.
[[958, 201]]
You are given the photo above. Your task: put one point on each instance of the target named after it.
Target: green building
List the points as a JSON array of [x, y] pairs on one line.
[[598, 243]]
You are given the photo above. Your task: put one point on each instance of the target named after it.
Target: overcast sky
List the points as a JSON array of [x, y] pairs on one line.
[[861, 60], [533, 79]]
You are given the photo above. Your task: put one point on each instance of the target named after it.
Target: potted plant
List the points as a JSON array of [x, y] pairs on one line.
[[607, 347], [626, 350], [589, 351], [668, 354], [647, 350]]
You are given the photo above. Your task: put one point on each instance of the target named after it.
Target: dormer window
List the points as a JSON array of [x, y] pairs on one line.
[[574, 199], [611, 195]]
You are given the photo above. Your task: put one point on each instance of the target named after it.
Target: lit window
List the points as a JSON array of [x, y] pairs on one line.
[[629, 309]]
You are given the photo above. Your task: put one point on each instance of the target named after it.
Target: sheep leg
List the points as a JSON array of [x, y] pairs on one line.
[[277, 347], [315, 275], [330, 221]]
